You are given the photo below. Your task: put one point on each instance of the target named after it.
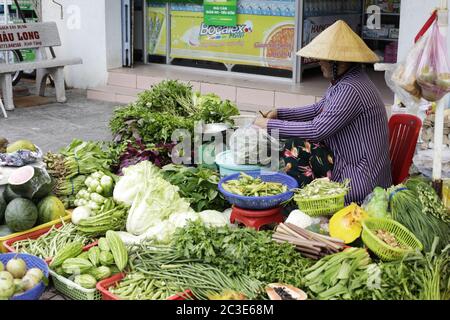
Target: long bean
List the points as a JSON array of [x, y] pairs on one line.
[[48, 244]]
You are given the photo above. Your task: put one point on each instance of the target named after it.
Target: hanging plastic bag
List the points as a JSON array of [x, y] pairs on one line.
[[404, 75], [433, 74], [252, 145]]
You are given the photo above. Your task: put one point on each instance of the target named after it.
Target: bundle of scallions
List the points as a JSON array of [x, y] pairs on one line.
[[72, 165], [406, 208], [79, 158]]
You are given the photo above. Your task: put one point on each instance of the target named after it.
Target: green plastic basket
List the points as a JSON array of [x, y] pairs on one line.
[[73, 291], [324, 206], [380, 248]]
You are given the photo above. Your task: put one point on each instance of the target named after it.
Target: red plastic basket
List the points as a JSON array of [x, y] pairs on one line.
[[9, 244], [104, 285]]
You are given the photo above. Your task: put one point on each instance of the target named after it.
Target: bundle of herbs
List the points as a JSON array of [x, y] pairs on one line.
[[407, 209], [416, 277], [166, 107], [198, 185], [136, 152], [431, 203], [238, 251]]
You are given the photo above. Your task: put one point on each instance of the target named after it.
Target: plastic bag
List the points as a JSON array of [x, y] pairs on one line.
[[433, 73], [423, 160], [404, 75], [376, 204], [253, 145], [20, 158]]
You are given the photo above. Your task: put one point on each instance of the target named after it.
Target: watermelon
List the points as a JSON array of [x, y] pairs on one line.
[[21, 214], [45, 190], [30, 182], [5, 231], [50, 208], [9, 195]]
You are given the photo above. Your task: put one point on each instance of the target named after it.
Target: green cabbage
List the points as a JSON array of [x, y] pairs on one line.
[[133, 181]]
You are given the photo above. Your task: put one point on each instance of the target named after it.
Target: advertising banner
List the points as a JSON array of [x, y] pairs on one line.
[[156, 30], [220, 13], [256, 40]]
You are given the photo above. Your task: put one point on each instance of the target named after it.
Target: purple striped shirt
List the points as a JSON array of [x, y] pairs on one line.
[[351, 120]]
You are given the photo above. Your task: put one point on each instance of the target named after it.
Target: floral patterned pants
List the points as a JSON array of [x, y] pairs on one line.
[[306, 161]]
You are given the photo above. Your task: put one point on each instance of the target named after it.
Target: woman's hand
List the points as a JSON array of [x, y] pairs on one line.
[[262, 122], [272, 114]]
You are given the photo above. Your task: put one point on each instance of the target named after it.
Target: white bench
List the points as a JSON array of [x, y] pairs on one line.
[[39, 36]]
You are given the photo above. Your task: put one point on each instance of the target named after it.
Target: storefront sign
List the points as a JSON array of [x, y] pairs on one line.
[[220, 13], [256, 40], [24, 36]]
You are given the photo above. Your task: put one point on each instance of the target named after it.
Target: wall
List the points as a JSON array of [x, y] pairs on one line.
[[90, 30], [414, 13]]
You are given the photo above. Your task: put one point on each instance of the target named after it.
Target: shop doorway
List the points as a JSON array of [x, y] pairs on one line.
[[267, 35]]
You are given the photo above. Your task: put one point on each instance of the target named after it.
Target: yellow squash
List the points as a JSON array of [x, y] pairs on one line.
[[346, 223]]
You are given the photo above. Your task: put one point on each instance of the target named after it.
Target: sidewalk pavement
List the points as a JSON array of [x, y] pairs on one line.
[[55, 125]]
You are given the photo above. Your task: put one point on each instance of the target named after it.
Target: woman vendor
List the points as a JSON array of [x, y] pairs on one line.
[[345, 135]]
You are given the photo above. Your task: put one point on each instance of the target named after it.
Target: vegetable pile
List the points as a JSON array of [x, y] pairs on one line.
[[166, 107], [248, 186], [50, 243], [71, 166], [197, 185], [98, 263], [320, 188], [309, 244], [16, 278]]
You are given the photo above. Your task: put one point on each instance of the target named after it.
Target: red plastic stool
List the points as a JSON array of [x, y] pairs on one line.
[[256, 218]]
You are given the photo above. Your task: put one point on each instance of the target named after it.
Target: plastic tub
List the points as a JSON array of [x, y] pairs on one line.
[[37, 228], [104, 285], [227, 166], [31, 262]]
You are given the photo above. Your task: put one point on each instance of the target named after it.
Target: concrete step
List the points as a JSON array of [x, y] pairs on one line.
[[111, 93], [124, 95], [124, 85]]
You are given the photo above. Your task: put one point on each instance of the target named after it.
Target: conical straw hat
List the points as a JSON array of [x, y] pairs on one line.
[[339, 43]]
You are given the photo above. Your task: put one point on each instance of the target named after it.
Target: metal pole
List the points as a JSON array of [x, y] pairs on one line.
[[146, 33], [168, 34], [439, 115]]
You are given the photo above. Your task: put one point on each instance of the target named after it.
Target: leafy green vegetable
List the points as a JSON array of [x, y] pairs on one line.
[[416, 277], [238, 251], [158, 112], [431, 204], [197, 185], [169, 96], [337, 276], [213, 110], [406, 208]]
